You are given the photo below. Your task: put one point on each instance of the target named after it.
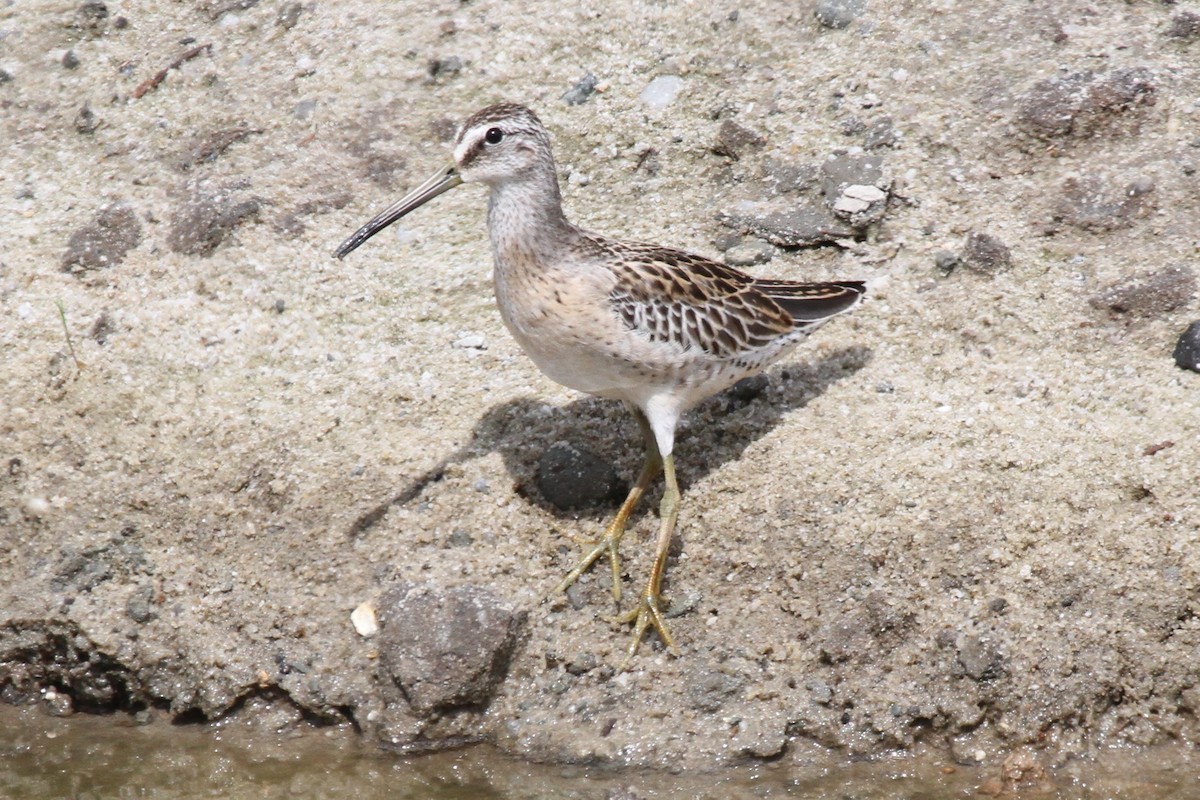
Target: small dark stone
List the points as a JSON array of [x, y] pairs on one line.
[[821, 693], [70, 60], [746, 390], [102, 328], [571, 477], [5, 76], [839, 14], [1187, 349], [985, 252], [582, 664], [734, 139], [209, 146], [1084, 103], [579, 93], [1148, 294], [979, 659], [199, 226], [289, 15], [947, 261], [808, 224], [999, 605], [708, 692], [59, 704], [86, 121], [105, 241], [140, 606], [1184, 25], [83, 571], [1090, 204], [445, 67], [460, 538], [447, 648], [881, 133], [91, 18]]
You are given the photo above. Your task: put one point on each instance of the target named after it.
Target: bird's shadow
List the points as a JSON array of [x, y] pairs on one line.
[[714, 433]]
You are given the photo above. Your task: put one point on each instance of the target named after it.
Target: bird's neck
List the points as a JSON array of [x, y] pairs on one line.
[[525, 218]]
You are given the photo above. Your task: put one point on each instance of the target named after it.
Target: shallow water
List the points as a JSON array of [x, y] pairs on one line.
[[101, 757]]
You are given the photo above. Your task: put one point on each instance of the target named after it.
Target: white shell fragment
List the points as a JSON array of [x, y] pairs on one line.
[[364, 620]]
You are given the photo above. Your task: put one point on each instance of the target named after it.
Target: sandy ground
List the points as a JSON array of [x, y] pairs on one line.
[[963, 519]]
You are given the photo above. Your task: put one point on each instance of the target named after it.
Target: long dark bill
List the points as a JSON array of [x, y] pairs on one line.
[[441, 181]]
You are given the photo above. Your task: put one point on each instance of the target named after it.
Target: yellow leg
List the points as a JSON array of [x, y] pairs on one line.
[[648, 612], [611, 539]]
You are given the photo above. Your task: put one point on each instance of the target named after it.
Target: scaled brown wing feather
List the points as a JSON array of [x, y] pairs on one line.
[[673, 296]]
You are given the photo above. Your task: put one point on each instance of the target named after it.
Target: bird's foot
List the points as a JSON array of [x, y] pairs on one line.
[[647, 614], [607, 543]]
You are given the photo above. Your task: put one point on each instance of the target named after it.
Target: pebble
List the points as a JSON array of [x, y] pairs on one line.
[[749, 252], [734, 139], [200, 226], [447, 648], [36, 506], [1187, 349], [1081, 104], [1089, 203], [946, 260], [839, 14], [1184, 25], [661, 91], [985, 252], [578, 94], [364, 620], [104, 241], [1148, 294], [471, 341]]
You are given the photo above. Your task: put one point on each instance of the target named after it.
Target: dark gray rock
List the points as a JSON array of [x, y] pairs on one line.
[[578, 94], [1148, 294], [820, 691], [849, 169], [200, 225], [289, 15], [86, 121], [1187, 349], [785, 178], [105, 241], [806, 225], [1091, 204], [707, 692], [140, 606], [1084, 103], [946, 260], [985, 252], [447, 648], [1184, 25], [733, 140], [979, 659], [746, 390], [839, 14], [573, 477]]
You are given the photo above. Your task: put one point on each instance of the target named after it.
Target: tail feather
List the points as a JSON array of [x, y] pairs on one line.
[[812, 302]]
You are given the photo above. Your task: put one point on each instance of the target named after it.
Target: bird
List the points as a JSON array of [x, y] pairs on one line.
[[656, 328]]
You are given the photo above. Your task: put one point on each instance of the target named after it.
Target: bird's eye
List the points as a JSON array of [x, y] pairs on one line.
[[493, 136]]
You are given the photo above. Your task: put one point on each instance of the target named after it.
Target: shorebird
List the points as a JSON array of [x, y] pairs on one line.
[[656, 328]]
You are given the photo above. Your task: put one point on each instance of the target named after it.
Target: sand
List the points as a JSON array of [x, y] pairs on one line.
[[962, 520]]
